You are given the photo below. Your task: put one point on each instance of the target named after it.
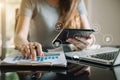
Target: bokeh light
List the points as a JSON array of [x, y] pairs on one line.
[[107, 38]]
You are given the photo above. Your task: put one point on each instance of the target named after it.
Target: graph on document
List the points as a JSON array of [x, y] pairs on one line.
[[46, 57]]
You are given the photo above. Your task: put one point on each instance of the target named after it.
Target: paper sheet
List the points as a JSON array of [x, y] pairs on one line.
[[50, 58]]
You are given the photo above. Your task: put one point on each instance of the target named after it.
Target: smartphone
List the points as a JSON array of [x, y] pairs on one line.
[[71, 33]]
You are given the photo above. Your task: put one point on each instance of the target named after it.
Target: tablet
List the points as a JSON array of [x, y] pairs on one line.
[[71, 33]]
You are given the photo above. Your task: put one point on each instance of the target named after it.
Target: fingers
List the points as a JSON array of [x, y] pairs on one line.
[[23, 51], [78, 43], [82, 40], [81, 43], [38, 49], [91, 40], [33, 53], [27, 50], [32, 50]]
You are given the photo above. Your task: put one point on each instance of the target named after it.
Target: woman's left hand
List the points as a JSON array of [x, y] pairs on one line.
[[81, 43]]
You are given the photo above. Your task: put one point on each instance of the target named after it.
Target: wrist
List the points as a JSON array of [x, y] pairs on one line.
[[92, 40], [20, 43]]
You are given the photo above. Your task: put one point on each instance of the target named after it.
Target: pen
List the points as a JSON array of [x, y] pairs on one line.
[[43, 49]]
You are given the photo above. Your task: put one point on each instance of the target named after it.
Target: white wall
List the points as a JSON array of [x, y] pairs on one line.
[[104, 16]]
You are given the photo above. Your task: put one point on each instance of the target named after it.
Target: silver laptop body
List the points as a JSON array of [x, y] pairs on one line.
[[104, 55], [116, 71]]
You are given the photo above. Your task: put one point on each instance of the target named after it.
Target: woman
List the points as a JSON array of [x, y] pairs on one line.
[[41, 18]]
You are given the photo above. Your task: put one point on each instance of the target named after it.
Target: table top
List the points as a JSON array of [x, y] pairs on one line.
[[96, 72]]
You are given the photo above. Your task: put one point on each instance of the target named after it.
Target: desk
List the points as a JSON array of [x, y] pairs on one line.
[[5, 68], [97, 72]]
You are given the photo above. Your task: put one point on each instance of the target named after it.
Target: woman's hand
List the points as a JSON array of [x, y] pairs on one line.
[[32, 49], [81, 43]]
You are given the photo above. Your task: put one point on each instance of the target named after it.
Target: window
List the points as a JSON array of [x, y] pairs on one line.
[[7, 23], [0, 21], [11, 6]]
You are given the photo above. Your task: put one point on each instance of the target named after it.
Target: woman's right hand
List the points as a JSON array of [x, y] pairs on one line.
[[32, 50], [29, 49]]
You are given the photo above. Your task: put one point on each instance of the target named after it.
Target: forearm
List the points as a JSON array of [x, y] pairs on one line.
[[19, 42], [21, 32], [28, 49], [84, 22]]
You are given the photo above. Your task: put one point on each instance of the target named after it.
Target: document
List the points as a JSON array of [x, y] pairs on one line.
[[50, 58]]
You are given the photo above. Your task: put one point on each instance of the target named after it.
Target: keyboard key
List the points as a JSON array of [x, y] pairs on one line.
[[106, 56]]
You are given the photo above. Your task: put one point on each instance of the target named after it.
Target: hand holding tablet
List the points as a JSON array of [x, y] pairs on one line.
[[71, 33]]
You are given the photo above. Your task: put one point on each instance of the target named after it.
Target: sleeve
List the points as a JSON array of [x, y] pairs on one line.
[[82, 8], [27, 8]]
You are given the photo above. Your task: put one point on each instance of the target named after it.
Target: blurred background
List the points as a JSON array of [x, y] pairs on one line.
[[103, 15], [7, 22]]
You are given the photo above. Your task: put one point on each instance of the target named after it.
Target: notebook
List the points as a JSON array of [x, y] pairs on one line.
[[105, 55], [49, 59]]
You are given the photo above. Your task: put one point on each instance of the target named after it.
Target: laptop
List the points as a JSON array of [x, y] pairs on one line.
[[109, 56]]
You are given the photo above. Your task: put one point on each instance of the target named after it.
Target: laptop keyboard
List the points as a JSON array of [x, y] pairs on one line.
[[106, 56]]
